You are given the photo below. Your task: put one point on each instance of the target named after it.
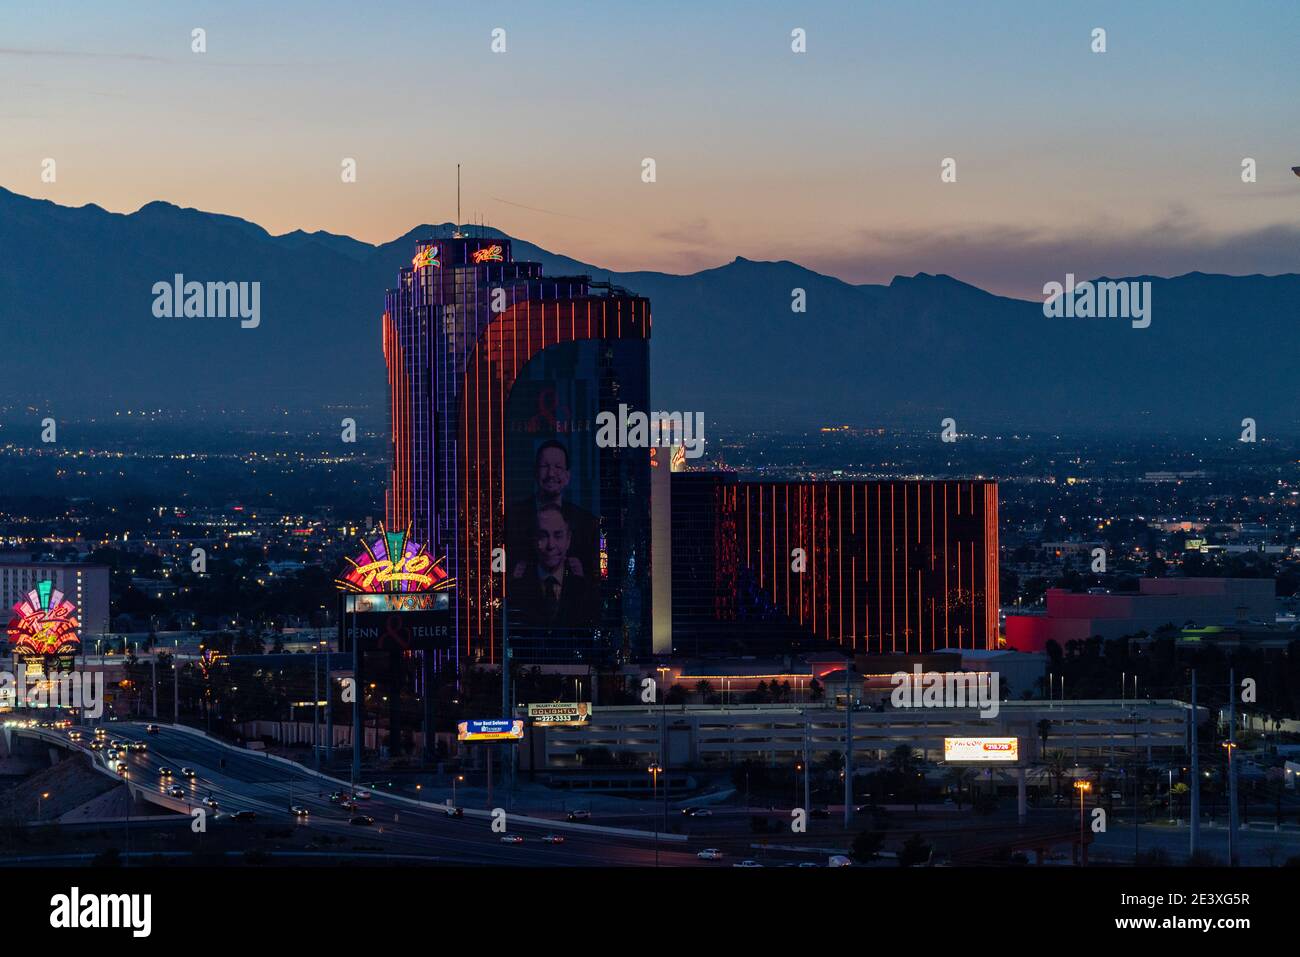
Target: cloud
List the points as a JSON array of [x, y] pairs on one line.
[[697, 234], [80, 54]]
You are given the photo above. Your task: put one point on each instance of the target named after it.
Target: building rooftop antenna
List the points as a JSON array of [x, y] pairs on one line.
[[456, 230]]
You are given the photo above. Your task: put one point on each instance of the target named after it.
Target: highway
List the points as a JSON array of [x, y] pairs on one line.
[[242, 780]]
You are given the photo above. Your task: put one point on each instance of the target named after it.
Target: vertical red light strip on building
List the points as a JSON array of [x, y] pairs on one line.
[[893, 569], [775, 549], [839, 555], [880, 577], [907, 585], [947, 631], [973, 630], [787, 545]]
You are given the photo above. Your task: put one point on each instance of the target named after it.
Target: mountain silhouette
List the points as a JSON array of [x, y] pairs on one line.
[[81, 337]]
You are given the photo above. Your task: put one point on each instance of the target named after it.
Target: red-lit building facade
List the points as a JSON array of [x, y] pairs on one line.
[[888, 566], [876, 567]]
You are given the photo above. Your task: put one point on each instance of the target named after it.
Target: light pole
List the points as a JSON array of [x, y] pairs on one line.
[[1231, 746], [1083, 787], [1137, 788], [40, 801], [654, 770], [458, 777]]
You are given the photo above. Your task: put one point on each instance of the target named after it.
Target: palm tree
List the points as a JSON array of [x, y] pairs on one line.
[[958, 777], [1179, 791], [1058, 765], [703, 688], [1044, 730]]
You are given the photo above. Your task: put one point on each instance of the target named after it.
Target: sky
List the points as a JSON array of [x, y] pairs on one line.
[[1125, 162]]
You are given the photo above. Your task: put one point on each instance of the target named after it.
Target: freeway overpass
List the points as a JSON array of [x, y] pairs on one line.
[[242, 780]]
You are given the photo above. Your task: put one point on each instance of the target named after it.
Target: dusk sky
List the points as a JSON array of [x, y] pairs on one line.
[[1119, 163]]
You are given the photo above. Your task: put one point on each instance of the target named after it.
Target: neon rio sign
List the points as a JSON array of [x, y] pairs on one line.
[[488, 254], [394, 563], [44, 623], [427, 257]]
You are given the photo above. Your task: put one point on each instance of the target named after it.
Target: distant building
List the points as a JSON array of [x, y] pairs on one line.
[[86, 586], [1074, 616]]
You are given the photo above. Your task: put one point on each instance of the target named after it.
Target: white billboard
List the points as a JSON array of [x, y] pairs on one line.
[[982, 750]]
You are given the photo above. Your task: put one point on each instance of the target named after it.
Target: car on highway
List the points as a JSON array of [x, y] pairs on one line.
[[511, 839], [164, 772], [579, 815], [137, 746], [299, 811], [349, 805], [839, 860], [697, 812], [151, 729], [455, 812], [710, 854], [101, 732], [809, 864], [361, 794], [244, 815], [821, 812], [74, 735], [552, 838], [361, 819], [187, 772], [120, 767], [336, 797], [97, 745], [747, 863], [176, 791], [211, 802]]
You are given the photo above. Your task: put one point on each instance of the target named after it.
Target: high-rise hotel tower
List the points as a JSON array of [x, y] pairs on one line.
[[496, 375]]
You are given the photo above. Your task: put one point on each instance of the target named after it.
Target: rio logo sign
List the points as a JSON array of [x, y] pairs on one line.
[[44, 623], [393, 563]]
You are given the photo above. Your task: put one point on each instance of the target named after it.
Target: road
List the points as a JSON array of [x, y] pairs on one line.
[[254, 782]]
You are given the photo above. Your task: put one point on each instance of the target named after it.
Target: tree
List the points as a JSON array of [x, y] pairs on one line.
[[866, 846], [1180, 791], [703, 688], [1058, 763], [958, 777], [914, 851]]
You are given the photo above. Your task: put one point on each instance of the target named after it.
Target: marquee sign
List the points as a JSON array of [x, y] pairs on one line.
[[44, 623], [394, 563], [488, 254]]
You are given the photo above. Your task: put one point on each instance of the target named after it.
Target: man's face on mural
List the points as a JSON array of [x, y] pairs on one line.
[[552, 539], [552, 473]]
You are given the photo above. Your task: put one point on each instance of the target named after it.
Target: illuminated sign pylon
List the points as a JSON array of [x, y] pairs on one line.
[[44, 623]]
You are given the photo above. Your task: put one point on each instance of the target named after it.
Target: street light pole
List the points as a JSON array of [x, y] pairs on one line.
[[1194, 830], [1082, 787], [1232, 768]]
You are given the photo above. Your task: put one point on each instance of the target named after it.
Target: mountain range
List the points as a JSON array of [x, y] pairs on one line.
[[81, 337]]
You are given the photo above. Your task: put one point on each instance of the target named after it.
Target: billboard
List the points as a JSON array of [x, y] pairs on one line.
[[556, 556], [492, 729], [981, 750], [560, 713]]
